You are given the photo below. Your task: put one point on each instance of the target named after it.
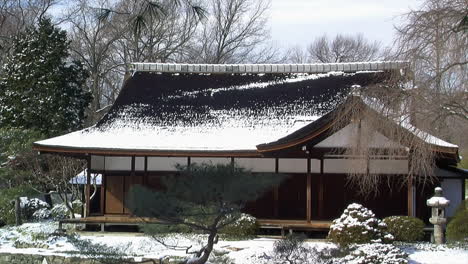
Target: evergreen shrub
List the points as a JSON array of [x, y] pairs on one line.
[[244, 227], [457, 228], [358, 225], [7, 207], [405, 228]]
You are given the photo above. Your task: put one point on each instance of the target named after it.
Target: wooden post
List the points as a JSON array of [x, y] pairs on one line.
[[276, 194], [309, 192], [320, 191], [88, 186], [18, 220], [410, 196]]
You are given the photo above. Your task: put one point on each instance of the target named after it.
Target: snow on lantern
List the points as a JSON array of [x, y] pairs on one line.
[[438, 203]]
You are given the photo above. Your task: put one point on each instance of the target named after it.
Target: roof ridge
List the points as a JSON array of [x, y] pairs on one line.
[[269, 68]]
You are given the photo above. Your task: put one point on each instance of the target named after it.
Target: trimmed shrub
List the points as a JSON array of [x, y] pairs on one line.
[[358, 225], [457, 228], [405, 228], [293, 250], [161, 229], [29, 206], [376, 253], [244, 227]]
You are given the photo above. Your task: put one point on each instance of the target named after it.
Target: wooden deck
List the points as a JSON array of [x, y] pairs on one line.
[[290, 225], [314, 225]]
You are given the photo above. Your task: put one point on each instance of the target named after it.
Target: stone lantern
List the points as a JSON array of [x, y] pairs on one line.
[[438, 203]]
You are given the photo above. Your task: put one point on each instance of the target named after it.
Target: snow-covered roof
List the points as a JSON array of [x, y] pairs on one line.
[[166, 111], [81, 178], [172, 108]]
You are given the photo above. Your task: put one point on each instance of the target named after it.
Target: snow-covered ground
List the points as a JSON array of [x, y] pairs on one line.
[[39, 238]]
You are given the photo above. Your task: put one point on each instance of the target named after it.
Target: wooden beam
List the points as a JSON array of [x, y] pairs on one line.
[[309, 193]]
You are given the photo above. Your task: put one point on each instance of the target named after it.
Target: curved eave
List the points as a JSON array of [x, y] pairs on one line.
[[321, 127], [145, 152]]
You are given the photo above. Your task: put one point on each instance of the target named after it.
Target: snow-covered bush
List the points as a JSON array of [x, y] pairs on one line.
[[41, 214], [29, 206], [375, 253], [405, 228], [244, 227], [457, 228], [59, 211], [293, 250], [76, 205], [358, 225]]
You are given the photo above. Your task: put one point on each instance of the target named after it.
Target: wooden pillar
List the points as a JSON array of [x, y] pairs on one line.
[[145, 173], [88, 185], [309, 192], [320, 189], [410, 190], [276, 194], [410, 196], [103, 193], [463, 190]]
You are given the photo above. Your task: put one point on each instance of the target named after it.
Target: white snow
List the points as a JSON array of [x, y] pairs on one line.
[[438, 202], [254, 251], [229, 135], [81, 178]]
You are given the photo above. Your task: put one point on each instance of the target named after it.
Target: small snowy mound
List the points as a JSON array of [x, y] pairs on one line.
[[358, 225], [376, 253], [59, 211]]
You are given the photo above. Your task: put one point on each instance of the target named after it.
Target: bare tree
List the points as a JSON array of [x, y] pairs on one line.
[[234, 31], [296, 54], [434, 38], [431, 97], [93, 42], [343, 48], [54, 173], [378, 121]]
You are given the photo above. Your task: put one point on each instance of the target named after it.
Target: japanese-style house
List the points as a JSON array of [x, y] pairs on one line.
[[266, 118]]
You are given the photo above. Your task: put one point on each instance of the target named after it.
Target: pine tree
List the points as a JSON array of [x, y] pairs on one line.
[[40, 85], [203, 197]]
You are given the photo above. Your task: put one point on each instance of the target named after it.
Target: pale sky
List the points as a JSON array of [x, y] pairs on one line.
[[298, 22]]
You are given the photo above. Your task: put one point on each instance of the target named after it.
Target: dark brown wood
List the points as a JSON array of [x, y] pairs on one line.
[[103, 194], [320, 190], [151, 153], [276, 193], [309, 193], [276, 202], [88, 185], [410, 196], [294, 224], [114, 194]]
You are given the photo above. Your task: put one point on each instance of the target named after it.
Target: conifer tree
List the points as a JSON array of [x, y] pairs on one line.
[[204, 197], [40, 85]]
